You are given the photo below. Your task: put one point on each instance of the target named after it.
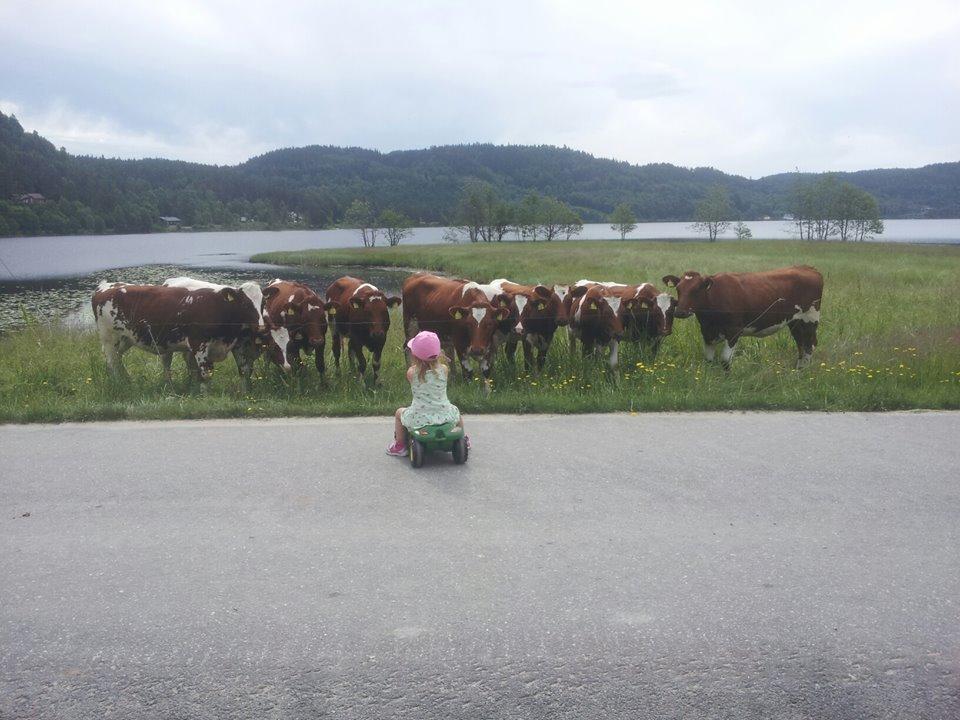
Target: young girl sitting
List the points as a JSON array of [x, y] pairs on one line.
[[428, 380]]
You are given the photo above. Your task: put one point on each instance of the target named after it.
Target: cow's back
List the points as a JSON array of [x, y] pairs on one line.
[[428, 297], [766, 290], [342, 288]]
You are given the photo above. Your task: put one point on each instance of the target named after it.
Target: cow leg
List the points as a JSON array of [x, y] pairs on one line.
[[356, 351], [166, 359], [510, 348], [587, 346], [726, 354], [465, 364], [655, 347], [709, 351], [320, 361], [201, 356], [337, 347], [114, 346], [805, 335], [486, 365], [614, 354], [528, 363], [244, 356], [375, 355]]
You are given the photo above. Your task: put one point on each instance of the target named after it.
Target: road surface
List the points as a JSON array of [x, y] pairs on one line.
[[749, 565]]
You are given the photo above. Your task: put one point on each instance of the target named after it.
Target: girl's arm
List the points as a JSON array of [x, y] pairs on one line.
[[410, 371]]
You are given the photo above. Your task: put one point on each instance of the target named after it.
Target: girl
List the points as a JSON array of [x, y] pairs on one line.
[[428, 380]]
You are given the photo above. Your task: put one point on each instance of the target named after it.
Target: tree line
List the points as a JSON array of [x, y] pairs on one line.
[[538, 189]]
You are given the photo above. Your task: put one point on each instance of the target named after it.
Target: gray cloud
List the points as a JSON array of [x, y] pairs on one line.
[[741, 86]]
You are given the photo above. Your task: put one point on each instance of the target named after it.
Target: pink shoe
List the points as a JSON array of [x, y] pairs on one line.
[[398, 449]]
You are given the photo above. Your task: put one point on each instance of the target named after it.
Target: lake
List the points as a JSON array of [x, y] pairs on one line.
[[47, 257], [52, 278]]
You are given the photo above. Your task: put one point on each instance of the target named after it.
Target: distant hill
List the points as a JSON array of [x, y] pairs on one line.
[[313, 186]]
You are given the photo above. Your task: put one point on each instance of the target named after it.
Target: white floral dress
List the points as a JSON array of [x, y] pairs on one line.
[[430, 404]]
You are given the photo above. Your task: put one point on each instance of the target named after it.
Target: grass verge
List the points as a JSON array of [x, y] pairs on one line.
[[889, 339]]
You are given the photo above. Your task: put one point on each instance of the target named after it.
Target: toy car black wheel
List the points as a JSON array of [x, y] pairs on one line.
[[460, 451], [416, 453]]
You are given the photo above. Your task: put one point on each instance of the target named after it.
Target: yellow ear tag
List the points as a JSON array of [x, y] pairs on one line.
[[333, 311], [541, 306], [593, 306], [289, 311], [229, 298], [503, 303], [298, 336], [458, 314]]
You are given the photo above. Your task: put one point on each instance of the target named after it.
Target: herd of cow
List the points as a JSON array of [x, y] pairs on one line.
[[206, 322]]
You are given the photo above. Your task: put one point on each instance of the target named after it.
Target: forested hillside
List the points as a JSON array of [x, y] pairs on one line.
[[313, 186]]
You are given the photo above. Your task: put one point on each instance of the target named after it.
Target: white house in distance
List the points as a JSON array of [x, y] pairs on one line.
[[170, 220]]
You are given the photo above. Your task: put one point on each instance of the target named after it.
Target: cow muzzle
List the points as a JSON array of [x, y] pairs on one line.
[[678, 313]]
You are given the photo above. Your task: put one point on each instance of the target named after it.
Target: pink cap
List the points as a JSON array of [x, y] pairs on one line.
[[425, 345]]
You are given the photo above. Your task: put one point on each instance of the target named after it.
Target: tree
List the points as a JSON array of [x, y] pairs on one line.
[[553, 218], [528, 217], [712, 214], [827, 207], [396, 225], [472, 212], [623, 220], [742, 231], [572, 223], [360, 216], [501, 218]]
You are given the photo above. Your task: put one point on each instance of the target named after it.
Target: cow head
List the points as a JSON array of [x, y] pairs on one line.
[[542, 304], [372, 311], [658, 309], [479, 321], [692, 291], [599, 309], [510, 322]]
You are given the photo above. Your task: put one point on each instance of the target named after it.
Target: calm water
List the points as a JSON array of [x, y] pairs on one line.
[[48, 257], [52, 278]]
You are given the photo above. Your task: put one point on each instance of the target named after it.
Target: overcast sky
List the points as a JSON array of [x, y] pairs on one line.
[[746, 87]]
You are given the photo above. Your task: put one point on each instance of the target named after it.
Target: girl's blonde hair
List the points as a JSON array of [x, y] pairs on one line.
[[423, 365]]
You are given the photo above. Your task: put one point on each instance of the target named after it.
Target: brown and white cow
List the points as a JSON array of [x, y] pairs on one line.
[[594, 318], [459, 312], [202, 324], [537, 311], [361, 312], [301, 313], [729, 306], [270, 338], [646, 314]]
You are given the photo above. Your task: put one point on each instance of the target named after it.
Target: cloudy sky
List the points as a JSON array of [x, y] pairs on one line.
[[747, 87]]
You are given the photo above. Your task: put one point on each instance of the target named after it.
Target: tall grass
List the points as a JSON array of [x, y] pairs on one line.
[[889, 339]]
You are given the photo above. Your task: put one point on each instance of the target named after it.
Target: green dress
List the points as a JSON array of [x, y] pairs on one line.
[[430, 405]]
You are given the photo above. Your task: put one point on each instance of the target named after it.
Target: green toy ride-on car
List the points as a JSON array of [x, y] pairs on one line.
[[448, 437]]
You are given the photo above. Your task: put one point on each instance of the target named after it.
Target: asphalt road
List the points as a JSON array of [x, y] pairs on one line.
[[774, 565]]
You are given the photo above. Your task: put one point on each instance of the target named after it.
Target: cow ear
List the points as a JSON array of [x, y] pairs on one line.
[[229, 294], [671, 280], [331, 307], [394, 301], [629, 305], [457, 312], [578, 291], [644, 305], [707, 283], [501, 300], [502, 313], [543, 291], [356, 304], [270, 291]]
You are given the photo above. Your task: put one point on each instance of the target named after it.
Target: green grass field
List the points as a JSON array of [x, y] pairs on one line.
[[889, 339]]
